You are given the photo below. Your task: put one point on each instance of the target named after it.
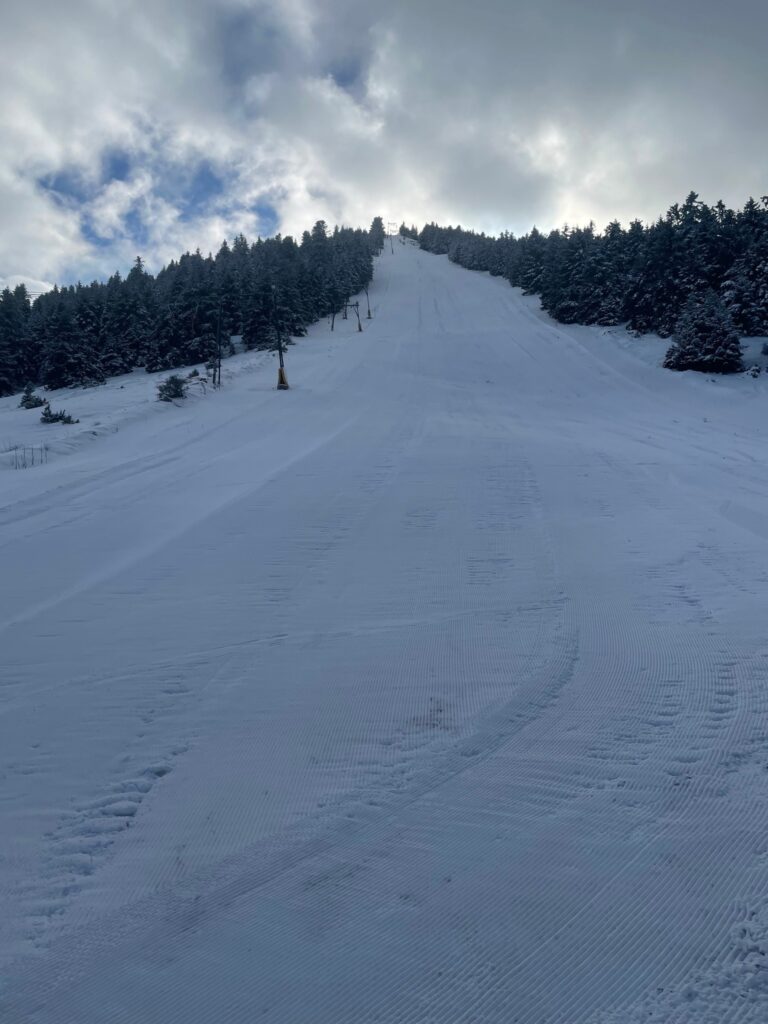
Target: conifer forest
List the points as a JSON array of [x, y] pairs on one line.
[[698, 275], [83, 334]]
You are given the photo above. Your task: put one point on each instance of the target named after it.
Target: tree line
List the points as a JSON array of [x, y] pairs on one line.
[[82, 334], [699, 275]]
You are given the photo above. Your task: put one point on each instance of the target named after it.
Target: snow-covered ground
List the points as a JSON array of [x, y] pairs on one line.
[[433, 690]]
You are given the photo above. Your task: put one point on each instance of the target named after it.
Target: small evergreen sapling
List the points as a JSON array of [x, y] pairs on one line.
[[705, 337], [29, 400], [49, 416], [171, 388]]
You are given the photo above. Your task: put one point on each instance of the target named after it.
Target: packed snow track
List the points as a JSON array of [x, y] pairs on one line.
[[432, 690]]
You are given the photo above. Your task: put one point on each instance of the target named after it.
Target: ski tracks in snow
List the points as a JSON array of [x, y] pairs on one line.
[[458, 715]]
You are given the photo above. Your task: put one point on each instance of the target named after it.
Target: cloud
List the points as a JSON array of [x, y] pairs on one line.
[[162, 127]]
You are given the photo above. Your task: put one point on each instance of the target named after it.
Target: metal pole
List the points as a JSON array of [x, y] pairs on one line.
[[282, 380], [217, 372]]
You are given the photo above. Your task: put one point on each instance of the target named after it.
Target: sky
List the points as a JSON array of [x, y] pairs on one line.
[[155, 128]]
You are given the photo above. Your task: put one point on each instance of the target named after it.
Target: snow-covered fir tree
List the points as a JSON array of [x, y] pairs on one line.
[[705, 338]]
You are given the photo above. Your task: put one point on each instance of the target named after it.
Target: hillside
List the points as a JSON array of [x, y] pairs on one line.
[[433, 689]]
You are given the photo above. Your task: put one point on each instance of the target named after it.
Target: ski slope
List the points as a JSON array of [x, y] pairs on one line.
[[434, 690]]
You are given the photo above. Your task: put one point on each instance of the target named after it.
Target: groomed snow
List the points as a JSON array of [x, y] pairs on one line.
[[433, 690]]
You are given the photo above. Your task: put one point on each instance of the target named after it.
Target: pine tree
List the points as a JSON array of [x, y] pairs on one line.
[[87, 322], [116, 346], [705, 338], [228, 293], [655, 298], [67, 359], [531, 263], [257, 325], [140, 313], [166, 347], [611, 270], [745, 289], [8, 359], [376, 235], [8, 379], [29, 400], [14, 339]]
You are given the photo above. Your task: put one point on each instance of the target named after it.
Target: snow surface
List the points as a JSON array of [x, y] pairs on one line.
[[433, 690]]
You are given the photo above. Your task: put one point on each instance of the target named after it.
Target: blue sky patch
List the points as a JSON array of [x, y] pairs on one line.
[[268, 217], [135, 227], [189, 190], [203, 186], [67, 186], [116, 165], [91, 236], [347, 74]]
